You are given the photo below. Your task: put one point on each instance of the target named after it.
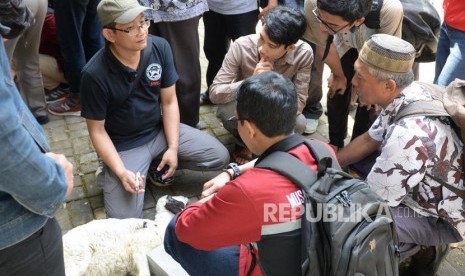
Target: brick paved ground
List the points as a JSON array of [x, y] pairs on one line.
[[68, 135]]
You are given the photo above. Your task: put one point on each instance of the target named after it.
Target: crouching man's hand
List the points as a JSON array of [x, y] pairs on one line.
[[214, 185]]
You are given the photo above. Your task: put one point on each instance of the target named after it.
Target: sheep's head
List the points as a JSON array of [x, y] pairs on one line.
[[173, 204]]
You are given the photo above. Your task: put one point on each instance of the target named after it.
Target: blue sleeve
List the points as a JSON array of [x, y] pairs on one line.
[[34, 180]]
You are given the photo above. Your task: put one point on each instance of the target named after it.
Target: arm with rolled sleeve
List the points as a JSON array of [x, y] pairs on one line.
[[302, 79], [225, 84]]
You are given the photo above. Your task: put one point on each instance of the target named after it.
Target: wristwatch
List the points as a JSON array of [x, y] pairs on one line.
[[235, 170]]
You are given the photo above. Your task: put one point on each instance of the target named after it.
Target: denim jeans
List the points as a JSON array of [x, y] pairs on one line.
[[450, 56], [79, 34], [223, 261]]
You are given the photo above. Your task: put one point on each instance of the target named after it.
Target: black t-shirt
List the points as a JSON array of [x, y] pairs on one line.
[[132, 116]]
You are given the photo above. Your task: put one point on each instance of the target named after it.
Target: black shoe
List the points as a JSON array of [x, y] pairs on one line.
[[155, 177], [42, 119], [427, 261], [205, 98]]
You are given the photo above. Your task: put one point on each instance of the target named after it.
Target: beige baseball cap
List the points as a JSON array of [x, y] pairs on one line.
[[119, 11], [388, 53]]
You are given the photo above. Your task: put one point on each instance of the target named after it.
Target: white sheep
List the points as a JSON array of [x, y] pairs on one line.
[[115, 246]]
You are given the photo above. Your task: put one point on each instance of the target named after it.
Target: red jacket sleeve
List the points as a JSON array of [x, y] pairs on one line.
[[229, 218]]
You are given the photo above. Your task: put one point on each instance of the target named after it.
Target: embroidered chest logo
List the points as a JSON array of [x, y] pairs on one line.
[[153, 72]]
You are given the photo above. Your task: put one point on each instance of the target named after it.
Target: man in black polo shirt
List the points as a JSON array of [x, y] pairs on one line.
[[132, 113]]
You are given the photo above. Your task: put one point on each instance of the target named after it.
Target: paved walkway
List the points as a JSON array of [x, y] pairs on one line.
[[68, 135]]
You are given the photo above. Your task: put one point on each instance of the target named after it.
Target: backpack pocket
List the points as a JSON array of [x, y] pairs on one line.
[[370, 251]]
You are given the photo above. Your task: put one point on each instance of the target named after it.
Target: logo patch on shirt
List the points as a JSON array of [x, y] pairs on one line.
[[153, 72]]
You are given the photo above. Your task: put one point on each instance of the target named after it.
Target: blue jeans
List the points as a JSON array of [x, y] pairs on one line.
[[223, 261], [450, 56], [79, 34]]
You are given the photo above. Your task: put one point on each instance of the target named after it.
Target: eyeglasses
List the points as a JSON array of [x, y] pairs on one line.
[[236, 118], [316, 12], [134, 30]]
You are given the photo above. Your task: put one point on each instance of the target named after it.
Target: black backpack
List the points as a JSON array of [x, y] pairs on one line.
[[359, 238], [420, 26]]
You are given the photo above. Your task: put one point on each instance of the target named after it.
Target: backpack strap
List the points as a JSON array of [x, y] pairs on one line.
[[433, 108], [145, 60], [291, 167], [294, 169], [139, 73], [329, 41], [322, 155], [455, 190]]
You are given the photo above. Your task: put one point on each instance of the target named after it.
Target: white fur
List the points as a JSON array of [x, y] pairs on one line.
[[115, 246]]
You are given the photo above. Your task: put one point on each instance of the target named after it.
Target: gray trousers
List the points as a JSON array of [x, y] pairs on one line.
[[226, 111], [198, 151], [23, 51], [415, 230]]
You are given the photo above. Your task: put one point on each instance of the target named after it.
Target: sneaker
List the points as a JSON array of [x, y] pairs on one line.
[[311, 126], [69, 106], [155, 177], [56, 94], [42, 119], [205, 98]]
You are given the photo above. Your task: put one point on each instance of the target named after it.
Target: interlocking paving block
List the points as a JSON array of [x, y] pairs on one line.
[[100, 213], [220, 131], [91, 187], [88, 167], [77, 193], [61, 145], [80, 212], [62, 216], [149, 213], [96, 201], [87, 157], [82, 145]]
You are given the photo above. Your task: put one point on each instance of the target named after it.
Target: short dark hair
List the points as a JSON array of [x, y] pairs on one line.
[[284, 26], [349, 10], [15, 17], [269, 100]]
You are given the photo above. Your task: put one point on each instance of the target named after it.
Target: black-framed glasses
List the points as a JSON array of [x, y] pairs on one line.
[[316, 13], [134, 30], [236, 118]]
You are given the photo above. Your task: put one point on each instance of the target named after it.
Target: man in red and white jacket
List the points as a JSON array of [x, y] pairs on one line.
[[246, 205]]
